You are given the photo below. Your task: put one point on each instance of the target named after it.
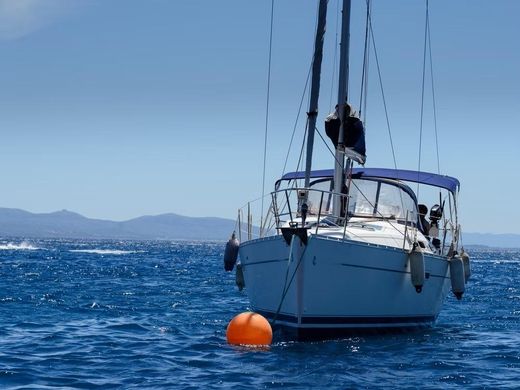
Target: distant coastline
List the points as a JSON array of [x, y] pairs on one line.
[[489, 240], [71, 225]]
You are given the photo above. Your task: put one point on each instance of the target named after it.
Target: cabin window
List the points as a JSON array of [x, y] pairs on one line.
[[370, 198], [321, 200]]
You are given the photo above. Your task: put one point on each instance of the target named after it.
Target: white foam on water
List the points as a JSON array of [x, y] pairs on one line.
[[23, 246], [104, 251]]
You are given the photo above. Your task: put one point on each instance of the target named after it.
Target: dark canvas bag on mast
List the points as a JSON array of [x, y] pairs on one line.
[[354, 133]]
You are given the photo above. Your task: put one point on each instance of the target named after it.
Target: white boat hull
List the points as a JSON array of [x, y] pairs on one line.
[[335, 286]]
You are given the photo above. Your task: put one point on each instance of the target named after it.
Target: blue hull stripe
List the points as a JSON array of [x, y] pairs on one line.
[[308, 320]]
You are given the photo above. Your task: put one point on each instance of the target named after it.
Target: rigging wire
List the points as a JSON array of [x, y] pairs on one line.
[[326, 145], [369, 28], [303, 147], [368, 34], [422, 96], [433, 94], [364, 108], [335, 62], [364, 72], [267, 105], [382, 90], [286, 285], [307, 122], [297, 118], [369, 15]]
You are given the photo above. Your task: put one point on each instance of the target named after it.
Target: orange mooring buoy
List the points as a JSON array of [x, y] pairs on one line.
[[249, 328]]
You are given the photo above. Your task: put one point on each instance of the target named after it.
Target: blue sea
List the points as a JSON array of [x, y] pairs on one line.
[[117, 314]]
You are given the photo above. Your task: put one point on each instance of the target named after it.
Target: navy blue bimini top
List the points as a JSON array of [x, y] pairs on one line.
[[432, 179]]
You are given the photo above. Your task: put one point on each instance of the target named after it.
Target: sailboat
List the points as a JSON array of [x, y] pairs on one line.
[[349, 250]]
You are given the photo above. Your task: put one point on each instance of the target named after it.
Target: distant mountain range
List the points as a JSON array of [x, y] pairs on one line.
[[491, 240], [67, 224]]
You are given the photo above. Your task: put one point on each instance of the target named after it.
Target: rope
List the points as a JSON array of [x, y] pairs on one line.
[[267, 104]]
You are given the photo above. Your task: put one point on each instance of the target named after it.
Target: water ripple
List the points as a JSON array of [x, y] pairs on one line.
[[117, 314]]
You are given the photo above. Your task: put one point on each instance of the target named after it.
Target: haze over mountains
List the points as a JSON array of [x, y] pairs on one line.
[[67, 224]]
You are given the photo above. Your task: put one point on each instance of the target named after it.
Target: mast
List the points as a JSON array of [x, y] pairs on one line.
[[315, 87], [342, 99]]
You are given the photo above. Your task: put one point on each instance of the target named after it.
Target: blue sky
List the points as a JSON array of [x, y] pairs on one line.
[[120, 108]]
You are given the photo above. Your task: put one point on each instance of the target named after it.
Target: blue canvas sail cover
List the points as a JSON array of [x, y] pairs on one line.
[[353, 134], [447, 182]]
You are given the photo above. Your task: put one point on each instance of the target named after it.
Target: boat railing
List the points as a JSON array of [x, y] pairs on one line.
[[285, 209], [304, 206]]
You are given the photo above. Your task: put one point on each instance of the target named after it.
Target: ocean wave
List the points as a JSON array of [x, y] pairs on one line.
[[104, 251], [23, 246]]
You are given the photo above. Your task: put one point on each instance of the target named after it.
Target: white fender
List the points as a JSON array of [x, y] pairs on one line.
[[417, 268], [231, 253], [457, 277], [467, 267]]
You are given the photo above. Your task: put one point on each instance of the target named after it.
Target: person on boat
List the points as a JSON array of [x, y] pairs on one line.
[[435, 216], [424, 224]]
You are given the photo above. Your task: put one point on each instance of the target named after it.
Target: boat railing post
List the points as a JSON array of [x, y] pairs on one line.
[[274, 201], [344, 219], [261, 224], [456, 218], [268, 220], [346, 201], [288, 205], [264, 222], [319, 212], [239, 226], [444, 233], [405, 237], [249, 221]]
